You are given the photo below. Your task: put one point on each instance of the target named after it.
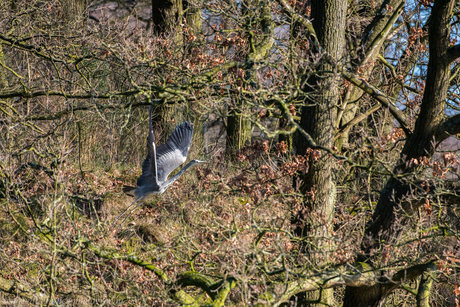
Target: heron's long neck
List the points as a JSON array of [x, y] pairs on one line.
[[171, 180]]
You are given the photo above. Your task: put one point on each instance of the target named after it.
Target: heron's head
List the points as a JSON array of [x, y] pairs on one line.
[[195, 161]]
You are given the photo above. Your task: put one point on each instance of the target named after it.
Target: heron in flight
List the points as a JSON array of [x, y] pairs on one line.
[[160, 162]]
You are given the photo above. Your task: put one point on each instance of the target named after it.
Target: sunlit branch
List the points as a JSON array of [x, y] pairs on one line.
[[379, 96]]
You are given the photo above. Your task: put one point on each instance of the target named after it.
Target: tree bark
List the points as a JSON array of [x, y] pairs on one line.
[[386, 224], [238, 127], [18, 289], [166, 16], [193, 17], [74, 8], [421, 142], [424, 288], [3, 71], [315, 217]]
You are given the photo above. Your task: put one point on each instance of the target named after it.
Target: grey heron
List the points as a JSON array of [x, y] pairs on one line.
[[160, 162]]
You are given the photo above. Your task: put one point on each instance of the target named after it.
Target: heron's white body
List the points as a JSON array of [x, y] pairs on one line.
[[161, 161]]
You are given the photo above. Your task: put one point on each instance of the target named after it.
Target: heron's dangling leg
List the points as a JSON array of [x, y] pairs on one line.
[[132, 211], [134, 202]]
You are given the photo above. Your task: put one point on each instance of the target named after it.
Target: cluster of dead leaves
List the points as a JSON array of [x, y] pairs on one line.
[[251, 152], [449, 163], [300, 164], [268, 179]]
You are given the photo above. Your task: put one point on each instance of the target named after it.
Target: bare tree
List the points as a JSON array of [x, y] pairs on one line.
[[362, 209]]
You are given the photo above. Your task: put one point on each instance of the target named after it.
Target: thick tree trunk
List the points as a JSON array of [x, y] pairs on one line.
[[420, 143], [238, 130], [74, 8], [238, 127], [315, 217], [166, 16], [193, 17], [3, 71], [386, 224]]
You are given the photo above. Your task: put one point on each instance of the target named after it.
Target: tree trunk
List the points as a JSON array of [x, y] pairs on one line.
[[166, 16], [238, 127], [193, 17], [74, 8], [386, 224], [315, 217], [3, 71]]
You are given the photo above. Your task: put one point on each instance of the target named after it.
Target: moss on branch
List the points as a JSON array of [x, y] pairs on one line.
[[18, 289]]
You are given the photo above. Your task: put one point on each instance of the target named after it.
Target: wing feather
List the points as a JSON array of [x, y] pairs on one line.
[[174, 152], [149, 167]]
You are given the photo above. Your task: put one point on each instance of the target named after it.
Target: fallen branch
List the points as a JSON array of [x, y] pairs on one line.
[[18, 289]]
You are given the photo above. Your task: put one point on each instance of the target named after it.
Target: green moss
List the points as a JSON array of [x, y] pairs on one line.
[[132, 245]]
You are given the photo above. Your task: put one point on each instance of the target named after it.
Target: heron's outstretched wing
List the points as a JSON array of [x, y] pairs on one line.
[[149, 167], [174, 152]]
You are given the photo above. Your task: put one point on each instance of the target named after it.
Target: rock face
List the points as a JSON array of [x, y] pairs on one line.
[[449, 145], [136, 13]]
